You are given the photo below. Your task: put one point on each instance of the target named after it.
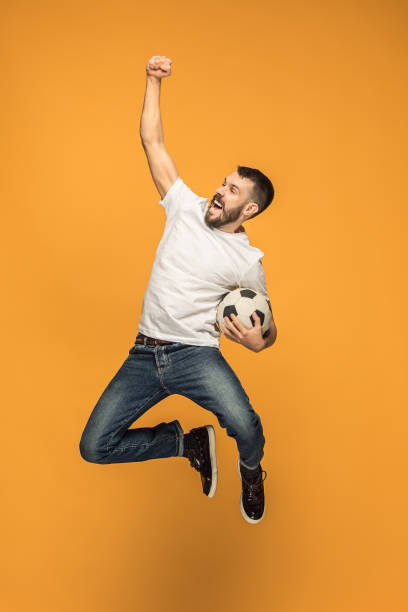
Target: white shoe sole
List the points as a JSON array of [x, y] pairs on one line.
[[244, 514], [213, 457]]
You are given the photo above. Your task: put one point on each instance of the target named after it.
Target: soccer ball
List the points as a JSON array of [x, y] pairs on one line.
[[243, 302]]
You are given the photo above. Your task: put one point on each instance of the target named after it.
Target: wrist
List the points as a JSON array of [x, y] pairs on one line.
[[150, 78], [259, 346]]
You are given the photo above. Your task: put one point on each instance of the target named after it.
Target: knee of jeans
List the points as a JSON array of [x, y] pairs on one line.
[[248, 426], [90, 449]]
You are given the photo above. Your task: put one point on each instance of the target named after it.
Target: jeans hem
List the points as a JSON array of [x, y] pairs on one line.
[[180, 439], [248, 466]]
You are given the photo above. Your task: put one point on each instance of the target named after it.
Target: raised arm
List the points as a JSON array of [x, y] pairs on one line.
[[162, 167]]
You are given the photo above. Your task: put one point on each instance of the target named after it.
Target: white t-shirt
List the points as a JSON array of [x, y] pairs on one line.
[[194, 267]]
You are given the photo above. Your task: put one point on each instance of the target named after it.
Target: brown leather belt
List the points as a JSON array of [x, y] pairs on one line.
[[140, 339]]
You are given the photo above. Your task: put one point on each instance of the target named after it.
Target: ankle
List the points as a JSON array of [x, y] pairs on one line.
[[250, 473], [188, 443]]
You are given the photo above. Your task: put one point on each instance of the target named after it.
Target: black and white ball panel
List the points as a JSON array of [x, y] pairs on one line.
[[243, 302]]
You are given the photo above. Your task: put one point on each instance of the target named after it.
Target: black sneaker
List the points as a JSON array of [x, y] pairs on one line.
[[202, 457], [252, 496]]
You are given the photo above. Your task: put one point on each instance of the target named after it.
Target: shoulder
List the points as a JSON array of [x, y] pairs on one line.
[[179, 193]]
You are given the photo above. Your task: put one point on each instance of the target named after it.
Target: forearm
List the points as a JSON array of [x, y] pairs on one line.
[[271, 337], [150, 122]]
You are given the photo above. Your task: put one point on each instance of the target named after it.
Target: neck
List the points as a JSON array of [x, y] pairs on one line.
[[232, 228]]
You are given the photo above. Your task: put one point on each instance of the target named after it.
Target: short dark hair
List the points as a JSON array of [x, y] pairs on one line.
[[262, 190]]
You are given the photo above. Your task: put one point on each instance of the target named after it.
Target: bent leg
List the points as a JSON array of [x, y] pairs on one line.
[[132, 391], [208, 380]]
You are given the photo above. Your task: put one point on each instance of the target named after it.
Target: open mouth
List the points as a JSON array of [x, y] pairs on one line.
[[217, 204]]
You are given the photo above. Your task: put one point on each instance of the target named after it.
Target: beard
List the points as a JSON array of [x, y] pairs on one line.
[[223, 217]]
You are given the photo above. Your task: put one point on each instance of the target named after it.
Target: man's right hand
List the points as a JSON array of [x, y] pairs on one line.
[[159, 66]]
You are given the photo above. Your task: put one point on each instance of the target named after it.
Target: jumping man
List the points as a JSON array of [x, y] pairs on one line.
[[204, 253]]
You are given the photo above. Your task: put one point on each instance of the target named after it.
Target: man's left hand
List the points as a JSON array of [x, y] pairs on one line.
[[251, 338]]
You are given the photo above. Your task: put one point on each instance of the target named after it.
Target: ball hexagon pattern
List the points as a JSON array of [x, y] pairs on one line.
[[243, 302]]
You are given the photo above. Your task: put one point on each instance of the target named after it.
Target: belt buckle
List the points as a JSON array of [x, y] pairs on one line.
[[156, 341]]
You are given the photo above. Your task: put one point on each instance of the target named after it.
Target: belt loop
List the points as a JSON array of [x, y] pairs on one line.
[[144, 340]]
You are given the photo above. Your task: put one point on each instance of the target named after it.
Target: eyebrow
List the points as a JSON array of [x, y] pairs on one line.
[[232, 184]]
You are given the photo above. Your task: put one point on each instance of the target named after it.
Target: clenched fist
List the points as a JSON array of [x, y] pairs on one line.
[[158, 66]]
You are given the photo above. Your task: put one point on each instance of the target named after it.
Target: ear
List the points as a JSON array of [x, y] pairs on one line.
[[250, 209]]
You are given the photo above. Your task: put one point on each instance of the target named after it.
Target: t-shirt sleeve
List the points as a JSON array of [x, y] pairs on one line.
[[254, 278], [179, 196]]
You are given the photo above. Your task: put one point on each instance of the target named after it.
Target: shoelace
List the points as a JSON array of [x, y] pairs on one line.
[[254, 488]]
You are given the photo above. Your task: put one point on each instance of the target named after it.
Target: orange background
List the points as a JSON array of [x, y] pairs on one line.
[[314, 95]]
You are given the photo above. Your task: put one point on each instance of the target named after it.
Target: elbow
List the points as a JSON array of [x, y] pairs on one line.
[[149, 142]]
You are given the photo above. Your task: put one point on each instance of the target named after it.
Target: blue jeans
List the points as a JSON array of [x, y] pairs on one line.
[[149, 374]]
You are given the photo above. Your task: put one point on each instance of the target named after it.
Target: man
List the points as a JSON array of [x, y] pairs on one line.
[[203, 254]]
